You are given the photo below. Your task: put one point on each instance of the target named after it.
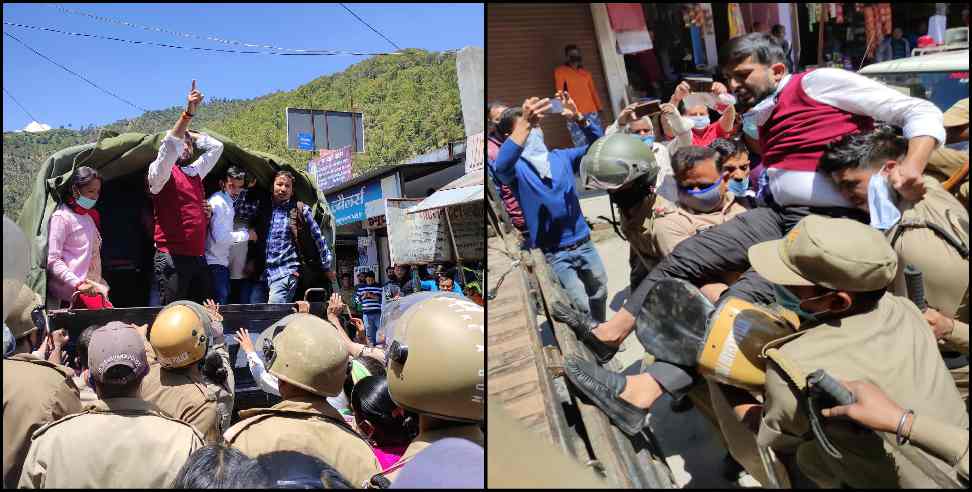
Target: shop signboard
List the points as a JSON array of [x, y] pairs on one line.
[[419, 238], [348, 206], [332, 168], [468, 223], [423, 237], [474, 152]]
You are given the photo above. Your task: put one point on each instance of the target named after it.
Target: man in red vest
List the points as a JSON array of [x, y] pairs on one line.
[[175, 183], [794, 117]]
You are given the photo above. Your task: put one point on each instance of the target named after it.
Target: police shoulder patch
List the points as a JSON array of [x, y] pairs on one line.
[[65, 418]]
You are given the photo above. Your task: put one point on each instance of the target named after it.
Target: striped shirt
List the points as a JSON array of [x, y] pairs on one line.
[[282, 259], [369, 306]]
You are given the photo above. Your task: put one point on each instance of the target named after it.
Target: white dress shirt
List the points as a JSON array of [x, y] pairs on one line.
[[160, 170], [221, 234], [856, 94]]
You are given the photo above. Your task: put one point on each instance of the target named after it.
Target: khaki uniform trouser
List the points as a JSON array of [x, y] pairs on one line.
[[961, 377]]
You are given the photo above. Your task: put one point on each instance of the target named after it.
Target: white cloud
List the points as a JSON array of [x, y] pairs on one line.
[[35, 127]]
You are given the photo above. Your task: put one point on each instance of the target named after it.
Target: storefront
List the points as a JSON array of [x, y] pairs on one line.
[[527, 43], [358, 205]]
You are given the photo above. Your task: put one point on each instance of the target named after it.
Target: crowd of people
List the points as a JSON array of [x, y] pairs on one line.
[[807, 192], [154, 406]]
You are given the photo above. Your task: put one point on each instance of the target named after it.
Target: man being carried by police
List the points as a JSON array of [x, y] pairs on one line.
[[120, 440], [931, 234], [190, 376], [796, 115], [439, 330], [310, 362], [35, 391]]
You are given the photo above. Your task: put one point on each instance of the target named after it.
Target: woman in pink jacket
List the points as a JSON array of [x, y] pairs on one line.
[[74, 244]]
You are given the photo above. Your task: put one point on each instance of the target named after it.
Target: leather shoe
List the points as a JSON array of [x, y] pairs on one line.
[[582, 324], [604, 389]]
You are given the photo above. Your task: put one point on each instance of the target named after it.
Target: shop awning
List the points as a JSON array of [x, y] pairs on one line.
[[467, 189]]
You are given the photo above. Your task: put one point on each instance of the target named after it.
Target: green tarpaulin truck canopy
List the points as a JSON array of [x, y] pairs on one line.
[[118, 156]]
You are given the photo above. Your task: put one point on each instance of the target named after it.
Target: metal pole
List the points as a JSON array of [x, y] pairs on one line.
[[455, 248]]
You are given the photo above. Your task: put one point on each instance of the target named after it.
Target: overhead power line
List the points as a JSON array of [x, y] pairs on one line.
[[218, 50], [72, 72], [215, 39], [369, 26], [21, 105]]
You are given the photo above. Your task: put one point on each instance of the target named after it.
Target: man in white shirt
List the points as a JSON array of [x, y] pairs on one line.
[[179, 208], [221, 234]]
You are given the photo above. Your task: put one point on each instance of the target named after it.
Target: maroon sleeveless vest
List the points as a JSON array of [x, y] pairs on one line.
[[797, 132], [180, 224]]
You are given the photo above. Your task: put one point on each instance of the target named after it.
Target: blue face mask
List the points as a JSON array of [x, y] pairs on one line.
[[881, 203], [750, 128], [699, 122], [86, 202], [648, 139], [739, 188], [787, 299], [703, 201]]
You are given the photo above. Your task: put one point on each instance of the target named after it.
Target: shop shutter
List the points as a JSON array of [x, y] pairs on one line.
[[525, 42]]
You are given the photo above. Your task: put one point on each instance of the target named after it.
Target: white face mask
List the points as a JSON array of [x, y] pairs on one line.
[[700, 122], [762, 110], [535, 152]]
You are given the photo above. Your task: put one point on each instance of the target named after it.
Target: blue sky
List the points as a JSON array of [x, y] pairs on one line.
[[156, 78]]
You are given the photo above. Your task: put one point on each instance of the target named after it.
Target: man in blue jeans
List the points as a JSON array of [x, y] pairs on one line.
[[283, 261], [369, 297], [543, 182], [221, 236]]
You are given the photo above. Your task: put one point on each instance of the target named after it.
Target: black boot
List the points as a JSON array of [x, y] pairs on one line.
[[604, 389], [583, 325]]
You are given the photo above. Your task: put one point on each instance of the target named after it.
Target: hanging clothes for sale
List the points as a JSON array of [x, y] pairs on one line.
[[936, 28], [811, 15], [698, 47], [884, 15], [626, 17], [839, 17], [736, 25], [633, 41]]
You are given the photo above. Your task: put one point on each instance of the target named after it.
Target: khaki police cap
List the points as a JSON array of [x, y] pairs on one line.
[[839, 254], [958, 114]]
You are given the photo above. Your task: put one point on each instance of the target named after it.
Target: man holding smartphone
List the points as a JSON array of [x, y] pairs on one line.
[[573, 78], [543, 182]]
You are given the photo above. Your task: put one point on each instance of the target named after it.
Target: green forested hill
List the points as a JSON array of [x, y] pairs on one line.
[[410, 104]]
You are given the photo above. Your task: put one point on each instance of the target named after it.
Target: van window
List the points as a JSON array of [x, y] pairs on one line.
[[942, 88]]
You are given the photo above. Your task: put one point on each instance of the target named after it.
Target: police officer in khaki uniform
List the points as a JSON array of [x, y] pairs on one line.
[[310, 361], [703, 199], [120, 441], [931, 234], [436, 366], [183, 339], [835, 273], [35, 391]]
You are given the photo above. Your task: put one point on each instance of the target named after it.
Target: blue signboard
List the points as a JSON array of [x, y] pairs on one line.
[[349, 205], [305, 141]]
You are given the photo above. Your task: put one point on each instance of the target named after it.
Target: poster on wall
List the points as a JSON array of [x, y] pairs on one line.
[[367, 251], [363, 268]]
